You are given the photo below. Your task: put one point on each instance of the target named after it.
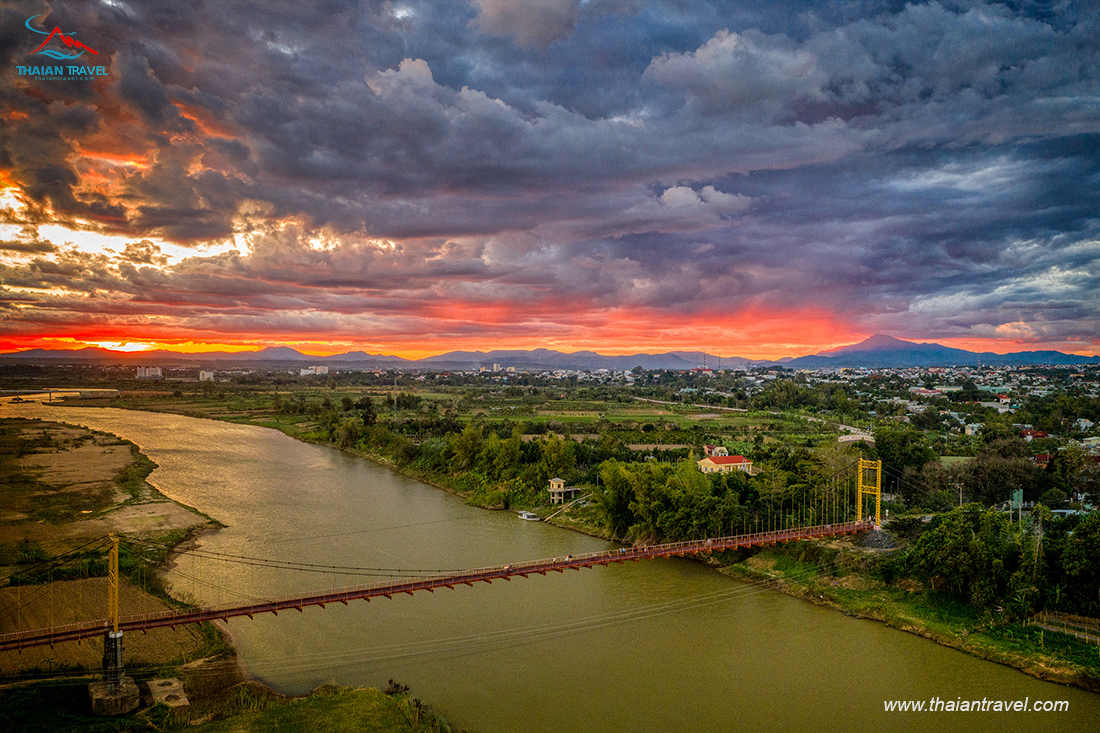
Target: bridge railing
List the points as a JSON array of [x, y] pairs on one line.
[[388, 588]]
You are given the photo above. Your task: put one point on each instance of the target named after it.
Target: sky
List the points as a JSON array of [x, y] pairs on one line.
[[411, 177]]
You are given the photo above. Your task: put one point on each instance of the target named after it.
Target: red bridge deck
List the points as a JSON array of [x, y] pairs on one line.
[[389, 588]]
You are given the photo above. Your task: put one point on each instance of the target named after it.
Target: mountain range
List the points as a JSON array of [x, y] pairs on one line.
[[878, 351], [882, 352]]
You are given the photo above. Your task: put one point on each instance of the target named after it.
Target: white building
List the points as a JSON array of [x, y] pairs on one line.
[[206, 375], [149, 373]]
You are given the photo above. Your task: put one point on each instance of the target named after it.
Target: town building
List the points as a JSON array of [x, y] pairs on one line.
[[725, 464]]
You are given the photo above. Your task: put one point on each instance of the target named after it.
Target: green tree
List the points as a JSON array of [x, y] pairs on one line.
[[1081, 564], [558, 457], [466, 447], [615, 497], [903, 447], [348, 432], [489, 457], [365, 405], [968, 552], [991, 479]]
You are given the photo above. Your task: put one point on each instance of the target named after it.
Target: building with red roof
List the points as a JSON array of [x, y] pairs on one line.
[[725, 464]]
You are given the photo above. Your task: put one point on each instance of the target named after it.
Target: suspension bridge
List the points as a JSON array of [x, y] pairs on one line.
[[868, 484]]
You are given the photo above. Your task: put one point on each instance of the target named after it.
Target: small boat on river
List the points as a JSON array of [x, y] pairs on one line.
[[530, 516]]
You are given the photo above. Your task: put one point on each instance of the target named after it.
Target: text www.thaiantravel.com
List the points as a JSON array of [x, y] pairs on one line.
[[985, 705]]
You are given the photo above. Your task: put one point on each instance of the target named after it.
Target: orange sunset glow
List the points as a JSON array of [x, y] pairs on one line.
[[313, 189]]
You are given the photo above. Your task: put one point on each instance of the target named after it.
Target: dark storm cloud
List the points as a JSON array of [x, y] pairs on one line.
[[145, 93], [529, 22], [930, 167]]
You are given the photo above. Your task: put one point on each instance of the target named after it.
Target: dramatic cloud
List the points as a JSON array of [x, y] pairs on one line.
[[528, 21], [417, 175]]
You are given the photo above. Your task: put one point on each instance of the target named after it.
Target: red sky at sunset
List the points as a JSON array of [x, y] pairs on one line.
[[416, 178]]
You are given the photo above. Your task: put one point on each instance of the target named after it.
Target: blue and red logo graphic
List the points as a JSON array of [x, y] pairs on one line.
[[73, 49], [66, 38]]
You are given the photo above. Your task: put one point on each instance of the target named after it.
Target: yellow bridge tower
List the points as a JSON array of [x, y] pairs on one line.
[[863, 486]]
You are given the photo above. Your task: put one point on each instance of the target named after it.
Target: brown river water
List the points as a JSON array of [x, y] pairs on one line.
[[664, 645]]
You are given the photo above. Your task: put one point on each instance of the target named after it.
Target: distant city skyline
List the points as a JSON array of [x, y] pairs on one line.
[[415, 177]]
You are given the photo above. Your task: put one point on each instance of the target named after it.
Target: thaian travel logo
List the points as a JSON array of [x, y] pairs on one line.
[[75, 50]]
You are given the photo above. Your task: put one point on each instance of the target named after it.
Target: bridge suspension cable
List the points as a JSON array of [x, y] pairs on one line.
[[460, 646], [300, 566], [387, 589], [59, 559], [454, 647]]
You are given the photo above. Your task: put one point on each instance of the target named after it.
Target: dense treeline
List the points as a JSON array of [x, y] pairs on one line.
[[503, 464], [642, 495], [1004, 566], [1059, 413], [648, 501], [662, 501]]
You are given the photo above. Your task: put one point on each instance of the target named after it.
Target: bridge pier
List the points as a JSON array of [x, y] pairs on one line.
[[115, 694]]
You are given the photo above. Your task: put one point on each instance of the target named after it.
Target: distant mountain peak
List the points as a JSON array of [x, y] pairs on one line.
[[281, 352], [878, 342], [883, 341]]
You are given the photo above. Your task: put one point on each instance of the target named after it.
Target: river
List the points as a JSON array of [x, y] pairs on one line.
[[664, 645]]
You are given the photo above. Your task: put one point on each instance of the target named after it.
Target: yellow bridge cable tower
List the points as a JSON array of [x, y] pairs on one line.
[[864, 487]]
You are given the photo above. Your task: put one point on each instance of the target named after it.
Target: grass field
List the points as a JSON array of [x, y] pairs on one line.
[[63, 602]]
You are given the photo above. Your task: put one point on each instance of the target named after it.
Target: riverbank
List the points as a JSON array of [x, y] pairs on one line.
[[65, 489], [304, 431], [935, 616], [825, 573]]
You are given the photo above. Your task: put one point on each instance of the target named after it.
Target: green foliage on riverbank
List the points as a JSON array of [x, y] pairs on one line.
[[964, 575], [1015, 569]]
